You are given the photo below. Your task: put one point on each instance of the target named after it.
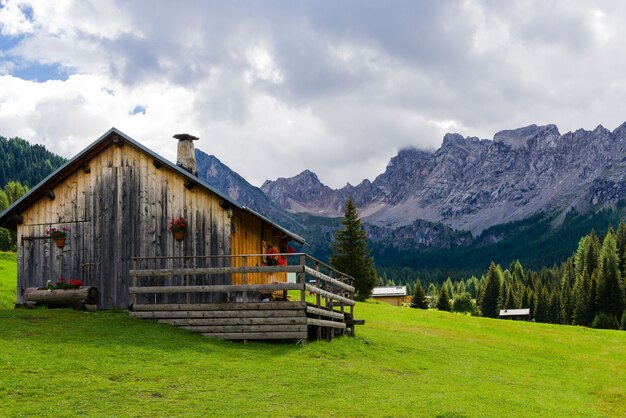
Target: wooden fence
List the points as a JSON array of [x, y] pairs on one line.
[[196, 293]]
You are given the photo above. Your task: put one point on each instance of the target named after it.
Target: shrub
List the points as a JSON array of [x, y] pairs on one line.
[[463, 303], [605, 321]]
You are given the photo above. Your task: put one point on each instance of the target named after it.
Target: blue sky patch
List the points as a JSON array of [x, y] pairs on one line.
[[40, 72], [138, 109], [8, 42]]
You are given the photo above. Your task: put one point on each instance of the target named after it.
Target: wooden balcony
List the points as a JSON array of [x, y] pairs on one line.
[[212, 295]]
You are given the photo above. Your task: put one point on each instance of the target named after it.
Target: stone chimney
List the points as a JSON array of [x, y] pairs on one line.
[[186, 157]]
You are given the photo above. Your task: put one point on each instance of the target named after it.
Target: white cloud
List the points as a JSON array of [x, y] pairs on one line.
[[274, 88], [14, 20]]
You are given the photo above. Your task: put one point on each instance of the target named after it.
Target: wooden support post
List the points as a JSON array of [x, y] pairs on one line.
[[303, 278], [352, 314], [244, 280], [134, 282], [187, 282], [318, 298], [318, 301]]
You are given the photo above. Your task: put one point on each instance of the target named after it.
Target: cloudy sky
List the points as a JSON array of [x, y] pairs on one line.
[[338, 87]]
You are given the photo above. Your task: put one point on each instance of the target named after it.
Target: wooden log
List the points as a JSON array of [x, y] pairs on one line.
[[235, 321], [226, 306], [216, 270], [328, 279], [258, 335], [87, 294], [324, 323], [329, 295], [246, 328], [217, 288], [324, 312]]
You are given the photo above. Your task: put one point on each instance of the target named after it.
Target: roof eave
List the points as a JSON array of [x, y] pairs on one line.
[[7, 217]]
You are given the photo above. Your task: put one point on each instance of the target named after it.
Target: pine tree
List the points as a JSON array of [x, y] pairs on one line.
[[419, 297], [460, 287], [541, 305], [443, 302], [350, 254], [473, 286], [517, 271], [509, 302], [582, 293], [620, 241], [490, 292], [449, 287], [554, 308], [567, 296], [586, 256], [610, 292]]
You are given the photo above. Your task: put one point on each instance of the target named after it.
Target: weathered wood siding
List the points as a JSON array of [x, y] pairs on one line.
[[249, 232], [121, 209]]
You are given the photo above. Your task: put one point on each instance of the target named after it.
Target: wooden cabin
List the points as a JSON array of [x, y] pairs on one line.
[[116, 199], [393, 295], [515, 314]]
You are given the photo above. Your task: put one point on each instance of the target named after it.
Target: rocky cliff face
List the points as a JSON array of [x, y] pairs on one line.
[[472, 184]]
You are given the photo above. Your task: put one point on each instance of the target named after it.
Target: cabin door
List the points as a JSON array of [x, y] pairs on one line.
[[42, 259]]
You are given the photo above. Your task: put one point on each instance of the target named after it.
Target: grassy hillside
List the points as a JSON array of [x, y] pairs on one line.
[[8, 278], [403, 362], [25, 162]]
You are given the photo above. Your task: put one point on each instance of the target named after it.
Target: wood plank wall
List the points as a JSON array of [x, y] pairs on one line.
[[121, 209], [249, 232]]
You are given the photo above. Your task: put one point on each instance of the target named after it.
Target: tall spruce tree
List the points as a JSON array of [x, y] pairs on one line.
[[620, 241], [443, 302], [554, 307], [610, 292], [582, 293], [541, 305], [567, 295], [490, 292], [350, 254], [419, 297], [517, 271], [449, 287]]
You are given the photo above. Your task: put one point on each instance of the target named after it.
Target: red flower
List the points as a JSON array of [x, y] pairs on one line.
[[178, 225], [76, 283]]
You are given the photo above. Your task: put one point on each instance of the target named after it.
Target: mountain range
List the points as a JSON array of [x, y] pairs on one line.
[[527, 193], [471, 184]]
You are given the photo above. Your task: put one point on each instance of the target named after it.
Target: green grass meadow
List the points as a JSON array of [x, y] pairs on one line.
[[403, 362]]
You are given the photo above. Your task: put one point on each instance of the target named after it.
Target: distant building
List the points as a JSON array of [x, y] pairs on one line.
[[393, 295], [515, 314]]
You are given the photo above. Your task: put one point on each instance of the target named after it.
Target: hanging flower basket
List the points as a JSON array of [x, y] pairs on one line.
[[58, 235], [178, 227]]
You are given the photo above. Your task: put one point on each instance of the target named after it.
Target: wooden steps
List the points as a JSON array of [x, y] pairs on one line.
[[235, 320]]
